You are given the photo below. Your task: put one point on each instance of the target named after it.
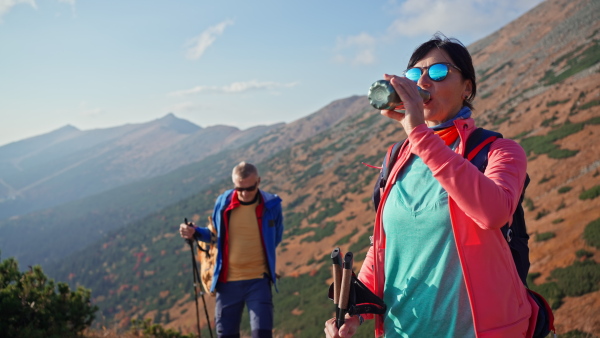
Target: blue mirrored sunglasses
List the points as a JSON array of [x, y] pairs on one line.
[[436, 72]]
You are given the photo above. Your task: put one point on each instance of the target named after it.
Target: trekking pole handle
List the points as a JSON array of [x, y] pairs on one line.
[[337, 274], [185, 221], [345, 288]]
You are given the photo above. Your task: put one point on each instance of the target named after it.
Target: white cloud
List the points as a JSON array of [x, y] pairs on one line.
[[356, 50], [6, 5], [456, 17], [236, 87], [198, 45], [84, 110]]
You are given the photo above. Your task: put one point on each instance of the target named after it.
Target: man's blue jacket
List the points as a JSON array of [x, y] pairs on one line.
[[272, 230]]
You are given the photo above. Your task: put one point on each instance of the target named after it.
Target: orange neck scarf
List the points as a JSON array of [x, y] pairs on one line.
[[448, 135]]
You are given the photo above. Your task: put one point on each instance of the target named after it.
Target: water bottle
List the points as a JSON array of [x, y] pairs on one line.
[[383, 96]]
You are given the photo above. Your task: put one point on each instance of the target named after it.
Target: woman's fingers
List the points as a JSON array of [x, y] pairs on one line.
[[392, 114], [331, 330]]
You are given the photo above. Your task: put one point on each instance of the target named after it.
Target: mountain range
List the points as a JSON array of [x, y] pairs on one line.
[[538, 83], [68, 164]]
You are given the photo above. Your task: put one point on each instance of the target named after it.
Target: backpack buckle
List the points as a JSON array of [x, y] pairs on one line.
[[509, 235]]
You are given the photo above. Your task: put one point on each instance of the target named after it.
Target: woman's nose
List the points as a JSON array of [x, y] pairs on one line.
[[424, 81]]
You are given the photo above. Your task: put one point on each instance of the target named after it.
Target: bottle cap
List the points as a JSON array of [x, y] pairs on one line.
[[382, 95]]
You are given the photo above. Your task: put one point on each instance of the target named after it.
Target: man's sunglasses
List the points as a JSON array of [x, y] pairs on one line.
[[252, 188], [436, 72]]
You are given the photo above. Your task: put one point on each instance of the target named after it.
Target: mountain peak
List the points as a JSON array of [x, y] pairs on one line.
[[172, 122], [66, 128]]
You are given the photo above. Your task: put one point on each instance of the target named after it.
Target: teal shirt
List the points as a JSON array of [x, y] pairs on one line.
[[424, 287]]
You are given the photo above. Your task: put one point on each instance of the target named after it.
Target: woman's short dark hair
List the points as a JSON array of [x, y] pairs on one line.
[[458, 53]]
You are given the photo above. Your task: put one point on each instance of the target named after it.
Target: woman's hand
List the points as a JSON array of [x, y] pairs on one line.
[[347, 330], [412, 103]]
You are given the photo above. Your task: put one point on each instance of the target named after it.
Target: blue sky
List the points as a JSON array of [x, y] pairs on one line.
[[99, 64]]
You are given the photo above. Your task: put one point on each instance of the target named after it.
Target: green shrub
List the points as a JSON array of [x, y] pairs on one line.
[[591, 233], [486, 95], [565, 189], [590, 104], [486, 76], [558, 153], [582, 253], [548, 121], [362, 245], [575, 64], [574, 280], [541, 214], [31, 305], [346, 238], [545, 179], [544, 236], [591, 193], [500, 120], [520, 135], [297, 201], [529, 204], [330, 207], [145, 328], [558, 220], [550, 291], [576, 334], [531, 277], [544, 144], [578, 279], [321, 232], [554, 103]]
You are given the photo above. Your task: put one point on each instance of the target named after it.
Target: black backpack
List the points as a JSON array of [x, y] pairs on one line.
[[476, 151]]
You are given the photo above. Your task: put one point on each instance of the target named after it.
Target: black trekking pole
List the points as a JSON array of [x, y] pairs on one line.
[[196, 274]]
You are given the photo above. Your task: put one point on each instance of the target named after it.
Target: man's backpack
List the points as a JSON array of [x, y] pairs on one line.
[[208, 258], [476, 151]]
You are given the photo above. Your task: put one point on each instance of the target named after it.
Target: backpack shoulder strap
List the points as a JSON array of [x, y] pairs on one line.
[[388, 162], [478, 146]]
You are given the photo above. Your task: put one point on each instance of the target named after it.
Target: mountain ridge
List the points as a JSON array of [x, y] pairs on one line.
[[100, 159]]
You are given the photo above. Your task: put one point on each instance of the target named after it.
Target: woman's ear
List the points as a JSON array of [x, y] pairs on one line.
[[468, 89]]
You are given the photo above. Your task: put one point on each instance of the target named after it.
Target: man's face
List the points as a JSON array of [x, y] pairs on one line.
[[246, 188]]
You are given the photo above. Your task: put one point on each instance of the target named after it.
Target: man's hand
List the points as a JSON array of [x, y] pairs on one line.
[[187, 231]]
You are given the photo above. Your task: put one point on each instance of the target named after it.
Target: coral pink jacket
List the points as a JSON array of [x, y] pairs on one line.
[[480, 204]]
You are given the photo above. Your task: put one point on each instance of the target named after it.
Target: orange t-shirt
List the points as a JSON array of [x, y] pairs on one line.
[[246, 254]]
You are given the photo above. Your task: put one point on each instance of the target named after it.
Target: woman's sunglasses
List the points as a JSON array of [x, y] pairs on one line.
[[436, 72], [252, 188]]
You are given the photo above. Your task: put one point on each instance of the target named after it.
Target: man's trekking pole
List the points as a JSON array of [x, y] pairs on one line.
[[196, 274], [345, 288], [336, 258]]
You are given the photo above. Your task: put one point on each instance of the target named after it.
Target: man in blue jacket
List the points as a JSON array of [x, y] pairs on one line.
[[249, 226]]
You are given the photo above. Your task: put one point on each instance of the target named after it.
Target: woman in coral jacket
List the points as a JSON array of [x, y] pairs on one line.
[[438, 259]]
